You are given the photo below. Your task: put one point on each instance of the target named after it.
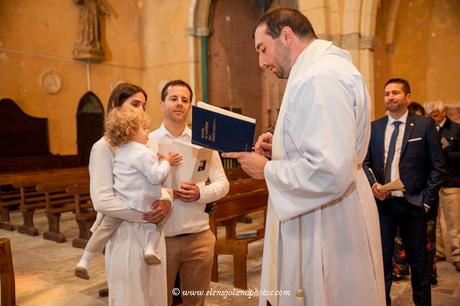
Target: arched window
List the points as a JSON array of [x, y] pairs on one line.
[[90, 123]]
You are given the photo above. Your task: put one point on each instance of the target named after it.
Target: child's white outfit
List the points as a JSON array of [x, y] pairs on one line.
[[138, 175]]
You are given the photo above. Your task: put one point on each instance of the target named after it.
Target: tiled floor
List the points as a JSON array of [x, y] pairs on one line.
[[44, 272]]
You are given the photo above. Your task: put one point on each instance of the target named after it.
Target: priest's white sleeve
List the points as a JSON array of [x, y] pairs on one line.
[[319, 136]]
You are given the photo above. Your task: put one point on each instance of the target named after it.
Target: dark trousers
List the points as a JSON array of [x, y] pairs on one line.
[[400, 266], [411, 220]]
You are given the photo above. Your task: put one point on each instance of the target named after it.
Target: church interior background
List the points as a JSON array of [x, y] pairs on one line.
[[60, 59]]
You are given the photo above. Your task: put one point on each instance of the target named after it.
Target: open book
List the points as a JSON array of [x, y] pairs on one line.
[[194, 167], [396, 185], [222, 130]]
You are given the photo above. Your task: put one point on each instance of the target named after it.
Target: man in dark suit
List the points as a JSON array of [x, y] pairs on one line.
[[449, 196], [405, 146]]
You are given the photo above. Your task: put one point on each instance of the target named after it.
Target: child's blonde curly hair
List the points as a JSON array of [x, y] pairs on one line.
[[122, 124]]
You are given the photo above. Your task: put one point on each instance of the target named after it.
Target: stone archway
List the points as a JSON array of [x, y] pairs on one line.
[[234, 74], [350, 24]]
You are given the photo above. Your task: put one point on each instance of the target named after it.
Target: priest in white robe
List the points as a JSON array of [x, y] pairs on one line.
[[322, 240]]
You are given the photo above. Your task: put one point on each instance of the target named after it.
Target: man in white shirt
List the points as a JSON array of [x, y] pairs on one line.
[[189, 240]]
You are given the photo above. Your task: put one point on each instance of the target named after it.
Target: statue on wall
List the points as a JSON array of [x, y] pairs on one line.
[[87, 45]]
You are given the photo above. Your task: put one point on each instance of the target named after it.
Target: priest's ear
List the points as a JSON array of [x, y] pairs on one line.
[[287, 36]]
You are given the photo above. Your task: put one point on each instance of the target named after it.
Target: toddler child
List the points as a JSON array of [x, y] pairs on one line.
[[138, 174]]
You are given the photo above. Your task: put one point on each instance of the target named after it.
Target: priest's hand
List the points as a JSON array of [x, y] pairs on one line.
[[252, 163], [188, 192], [263, 145], [379, 195], [160, 209]]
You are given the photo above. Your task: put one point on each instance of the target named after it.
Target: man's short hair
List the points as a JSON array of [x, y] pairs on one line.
[[164, 91], [433, 105], [278, 18], [404, 83]]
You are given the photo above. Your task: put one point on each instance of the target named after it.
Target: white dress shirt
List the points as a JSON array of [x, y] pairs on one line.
[[441, 124], [388, 132], [190, 217]]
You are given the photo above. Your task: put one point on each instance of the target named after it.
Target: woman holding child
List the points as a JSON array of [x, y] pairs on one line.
[[131, 279]]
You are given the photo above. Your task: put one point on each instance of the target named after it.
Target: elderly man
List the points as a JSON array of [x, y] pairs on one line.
[[322, 240], [449, 196]]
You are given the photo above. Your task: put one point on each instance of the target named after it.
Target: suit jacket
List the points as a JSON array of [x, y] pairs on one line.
[[450, 132], [421, 165]]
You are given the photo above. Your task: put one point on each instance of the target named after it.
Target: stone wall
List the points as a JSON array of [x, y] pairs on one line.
[[422, 47], [36, 43]]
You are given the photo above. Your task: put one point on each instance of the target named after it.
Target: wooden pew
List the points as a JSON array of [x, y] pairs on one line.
[[10, 197], [15, 187], [85, 215], [58, 201], [31, 198], [8, 289], [9, 178], [246, 196], [39, 163], [234, 174]]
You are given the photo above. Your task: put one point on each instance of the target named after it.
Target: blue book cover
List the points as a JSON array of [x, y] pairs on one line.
[[221, 130]]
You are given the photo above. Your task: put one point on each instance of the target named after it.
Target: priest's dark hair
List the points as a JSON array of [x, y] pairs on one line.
[[278, 18], [164, 91]]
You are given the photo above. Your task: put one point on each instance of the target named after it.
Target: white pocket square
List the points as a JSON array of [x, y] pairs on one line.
[[415, 139]]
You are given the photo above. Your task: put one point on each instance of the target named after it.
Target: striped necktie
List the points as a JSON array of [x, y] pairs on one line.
[[391, 152]]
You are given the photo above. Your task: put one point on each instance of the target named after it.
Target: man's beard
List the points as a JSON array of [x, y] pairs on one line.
[[281, 74], [281, 71]]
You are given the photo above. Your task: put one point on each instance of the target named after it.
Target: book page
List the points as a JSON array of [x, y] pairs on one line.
[[444, 143], [225, 112], [396, 185], [194, 167]]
